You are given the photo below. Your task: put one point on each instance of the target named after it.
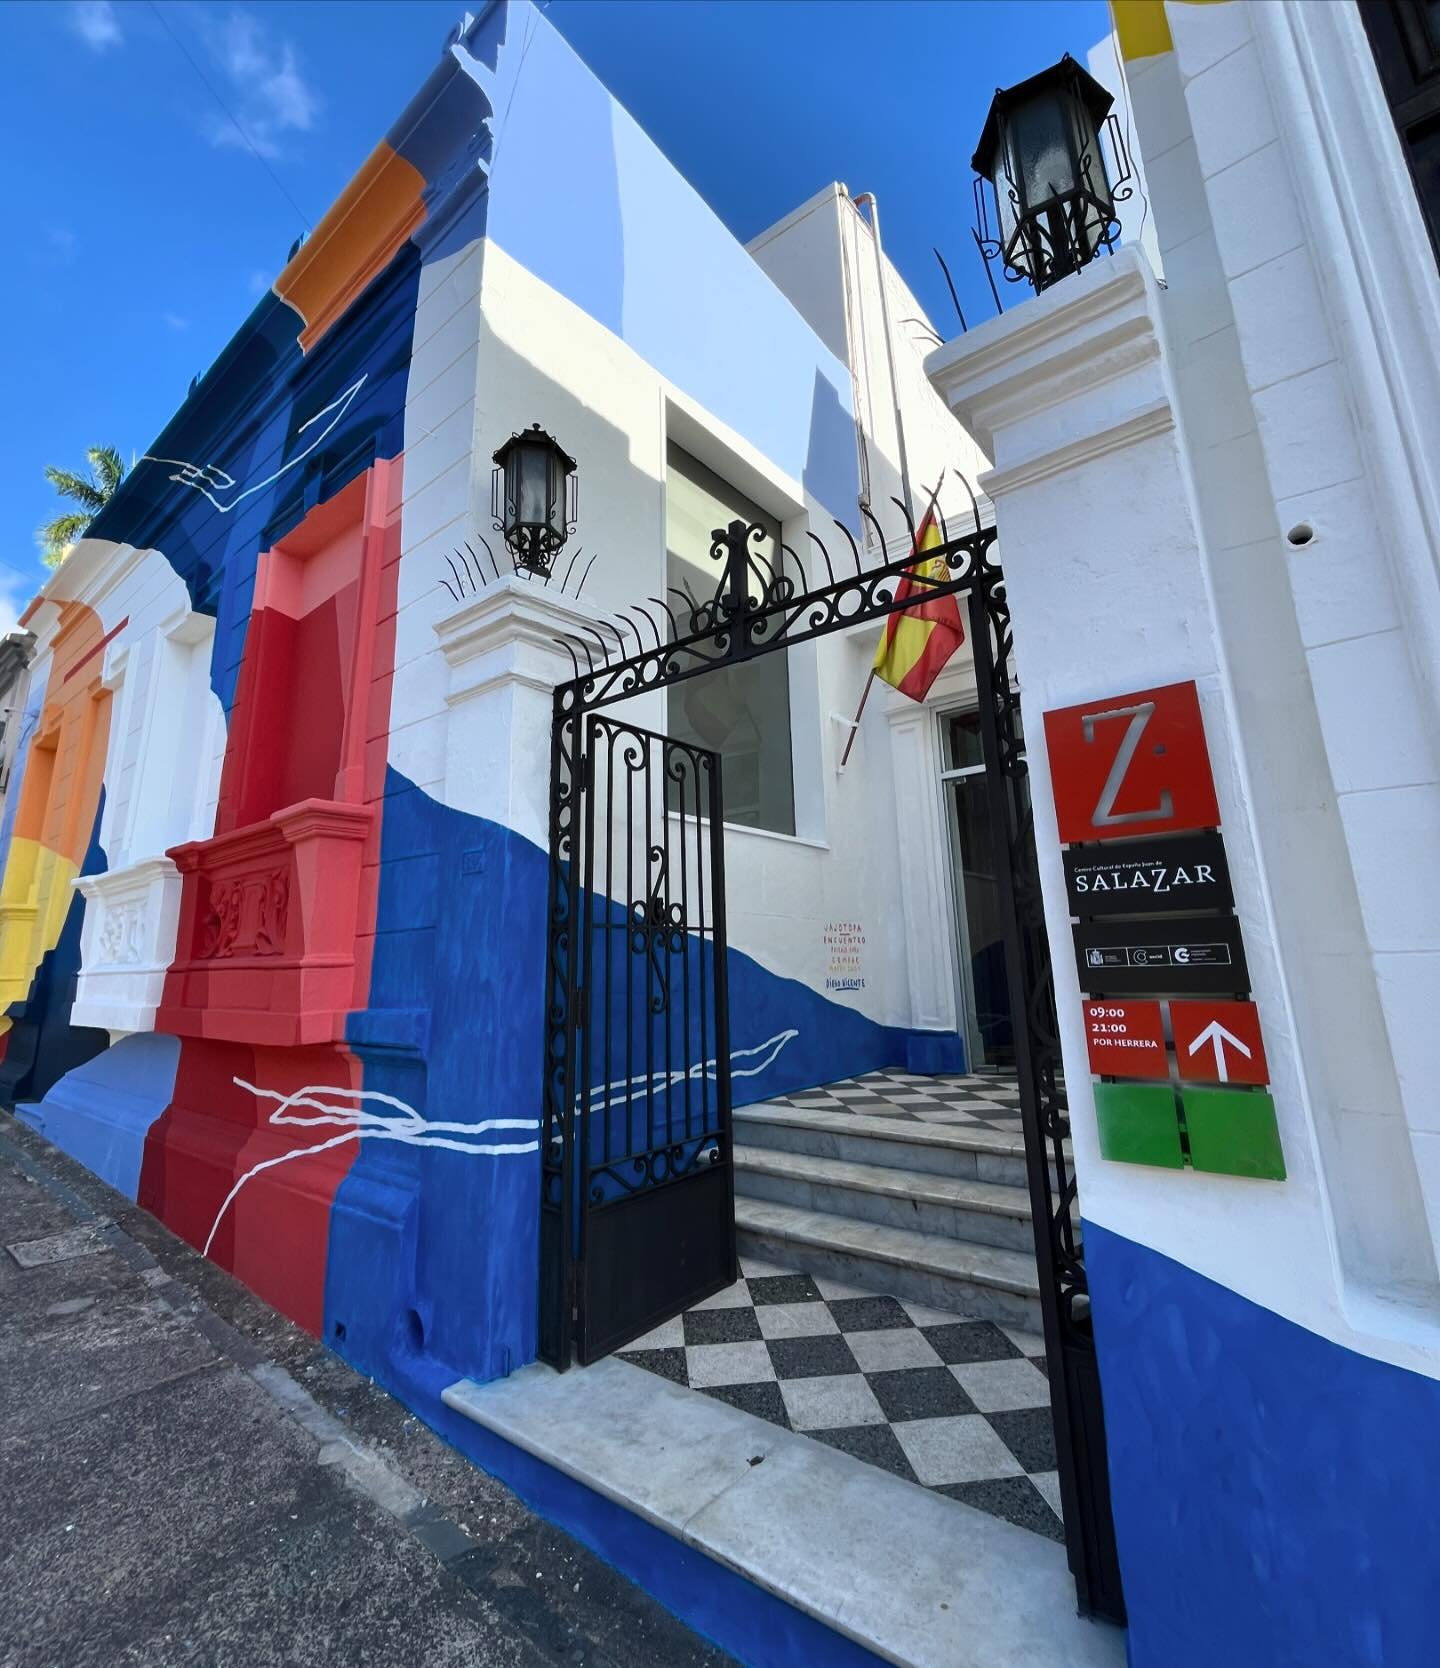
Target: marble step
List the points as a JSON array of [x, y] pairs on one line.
[[981, 1213], [977, 1280], [900, 1574], [966, 1150]]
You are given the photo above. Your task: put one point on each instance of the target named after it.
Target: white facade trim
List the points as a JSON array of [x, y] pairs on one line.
[[1149, 420], [127, 944], [1379, 282]]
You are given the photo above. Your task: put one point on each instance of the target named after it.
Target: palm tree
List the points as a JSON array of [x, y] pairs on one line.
[[106, 473]]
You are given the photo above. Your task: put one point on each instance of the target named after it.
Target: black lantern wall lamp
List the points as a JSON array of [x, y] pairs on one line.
[[533, 498], [1042, 169]]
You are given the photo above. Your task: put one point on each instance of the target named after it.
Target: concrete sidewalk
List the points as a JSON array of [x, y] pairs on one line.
[[187, 1478]]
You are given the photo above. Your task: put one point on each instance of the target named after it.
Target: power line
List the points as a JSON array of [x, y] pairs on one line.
[[234, 119]]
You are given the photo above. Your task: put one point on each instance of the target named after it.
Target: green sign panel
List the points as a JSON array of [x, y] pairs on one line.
[[1138, 1124], [1233, 1132], [1225, 1132]]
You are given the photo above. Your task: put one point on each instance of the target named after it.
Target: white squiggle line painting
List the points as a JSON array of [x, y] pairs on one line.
[[359, 1123], [761, 1056], [204, 476], [405, 1124]]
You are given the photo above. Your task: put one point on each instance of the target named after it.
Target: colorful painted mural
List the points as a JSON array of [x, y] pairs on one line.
[[307, 940]]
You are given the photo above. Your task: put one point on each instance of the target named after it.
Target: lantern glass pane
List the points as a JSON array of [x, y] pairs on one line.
[[1038, 136], [532, 499], [1091, 218], [1006, 209], [555, 499]]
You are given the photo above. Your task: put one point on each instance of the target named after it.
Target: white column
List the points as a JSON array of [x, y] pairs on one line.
[[1113, 588], [503, 661]]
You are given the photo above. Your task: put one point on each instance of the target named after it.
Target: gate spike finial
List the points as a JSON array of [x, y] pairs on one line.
[[574, 557], [564, 643], [619, 638], [669, 613], [645, 613], [493, 563], [854, 548], [909, 519], [820, 544], [974, 502], [869, 516]]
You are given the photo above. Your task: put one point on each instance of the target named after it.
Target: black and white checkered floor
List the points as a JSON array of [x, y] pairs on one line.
[[990, 1098], [960, 1406]]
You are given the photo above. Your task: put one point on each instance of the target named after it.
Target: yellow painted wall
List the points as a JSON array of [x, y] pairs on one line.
[[59, 796]]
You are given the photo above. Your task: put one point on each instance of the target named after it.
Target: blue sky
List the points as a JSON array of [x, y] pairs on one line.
[[142, 225]]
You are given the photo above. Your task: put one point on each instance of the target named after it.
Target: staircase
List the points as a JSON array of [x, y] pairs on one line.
[[935, 1213]]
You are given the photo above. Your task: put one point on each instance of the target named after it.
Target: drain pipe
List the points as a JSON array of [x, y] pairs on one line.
[[869, 197]]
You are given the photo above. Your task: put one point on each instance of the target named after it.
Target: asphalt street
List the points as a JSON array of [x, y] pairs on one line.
[[187, 1478]]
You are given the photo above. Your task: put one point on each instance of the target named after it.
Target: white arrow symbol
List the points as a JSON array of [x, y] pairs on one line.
[[1217, 1036]]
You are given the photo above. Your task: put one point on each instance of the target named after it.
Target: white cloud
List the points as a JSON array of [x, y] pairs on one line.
[[175, 321], [56, 246], [258, 282], [96, 23], [16, 589], [268, 94]]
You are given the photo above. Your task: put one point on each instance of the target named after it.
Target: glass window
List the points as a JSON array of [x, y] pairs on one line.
[[740, 712]]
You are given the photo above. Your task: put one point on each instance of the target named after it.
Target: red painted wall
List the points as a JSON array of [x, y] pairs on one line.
[[309, 724]]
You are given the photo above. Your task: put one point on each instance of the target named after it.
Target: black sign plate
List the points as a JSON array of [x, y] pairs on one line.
[[1149, 877], [1190, 955]]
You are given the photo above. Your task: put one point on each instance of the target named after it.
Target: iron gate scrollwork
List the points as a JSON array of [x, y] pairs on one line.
[[597, 1287], [642, 1090]]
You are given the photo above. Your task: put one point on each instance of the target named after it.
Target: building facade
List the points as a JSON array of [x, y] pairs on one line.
[[273, 912], [1245, 449]]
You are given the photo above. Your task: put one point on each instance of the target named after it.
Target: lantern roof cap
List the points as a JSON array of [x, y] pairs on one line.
[[529, 437], [1066, 74]]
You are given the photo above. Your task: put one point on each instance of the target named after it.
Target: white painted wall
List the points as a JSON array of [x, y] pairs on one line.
[[509, 332], [822, 256], [1266, 386], [162, 772], [534, 352]]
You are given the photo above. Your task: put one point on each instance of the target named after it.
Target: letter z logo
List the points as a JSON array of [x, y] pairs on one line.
[[1103, 816], [1132, 764]]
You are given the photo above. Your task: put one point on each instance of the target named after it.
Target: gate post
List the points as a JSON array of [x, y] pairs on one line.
[[1244, 1276]]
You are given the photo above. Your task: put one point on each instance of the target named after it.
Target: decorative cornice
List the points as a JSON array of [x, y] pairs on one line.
[[309, 819], [1156, 418], [331, 819], [511, 611], [1089, 329], [137, 877], [354, 242]]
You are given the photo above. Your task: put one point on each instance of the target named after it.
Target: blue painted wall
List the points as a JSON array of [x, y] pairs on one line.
[[1275, 1494], [433, 1260], [101, 1112]]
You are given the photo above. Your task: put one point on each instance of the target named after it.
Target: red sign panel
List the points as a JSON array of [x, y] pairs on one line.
[[1125, 1039], [1219, 1042], [1131, 764]]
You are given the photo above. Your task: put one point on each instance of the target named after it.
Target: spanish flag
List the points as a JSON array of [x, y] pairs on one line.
[[917, 642]]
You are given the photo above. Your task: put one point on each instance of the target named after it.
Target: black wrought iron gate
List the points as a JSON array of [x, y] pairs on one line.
[[644, 1151], [637, 1203]]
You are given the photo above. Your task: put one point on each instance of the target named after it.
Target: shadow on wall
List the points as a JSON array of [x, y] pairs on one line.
[[830, 455]]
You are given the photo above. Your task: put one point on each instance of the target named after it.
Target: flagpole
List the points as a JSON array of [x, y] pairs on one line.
[[855, 721]]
